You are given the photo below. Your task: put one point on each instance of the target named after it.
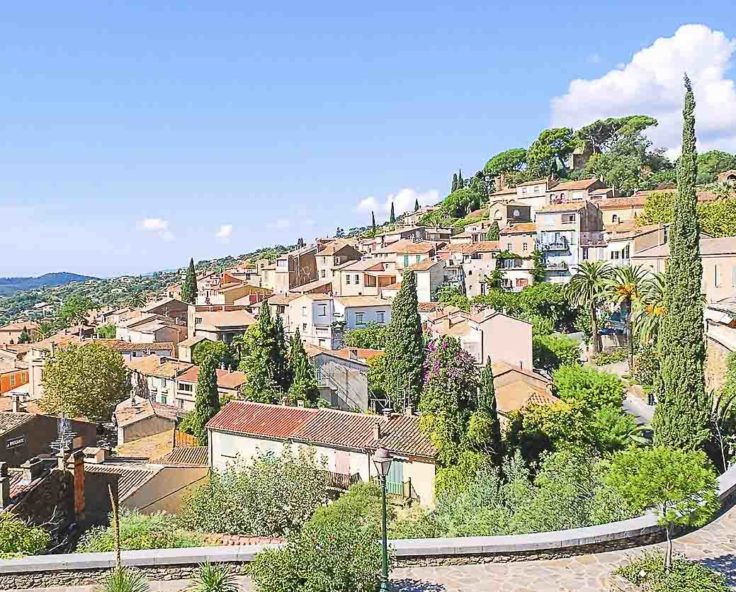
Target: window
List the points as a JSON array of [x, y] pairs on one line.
[[357, 279], [322, 273], [568, 218], [614, 218], [304, 311], [717, 276], [304, 326], [181, 403], [186, 387], [359, 318], [418, 258], [163, 398], [525, 246], [322, 308], [381, 316], [585, 252], [509, 247], [347, 278], [197, 320], [537, 188], [523, 190], [12, 380], [406, 260]]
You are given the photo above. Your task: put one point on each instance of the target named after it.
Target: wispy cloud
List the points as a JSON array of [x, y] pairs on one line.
[[403, 201], [651, 84], [158, 226], [224, 232]]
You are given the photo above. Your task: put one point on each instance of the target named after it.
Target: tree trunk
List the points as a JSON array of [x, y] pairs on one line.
[[668, 552], [116, 521], [594, 330]]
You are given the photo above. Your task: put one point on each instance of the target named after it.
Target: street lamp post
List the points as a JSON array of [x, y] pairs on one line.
[[382, 461]]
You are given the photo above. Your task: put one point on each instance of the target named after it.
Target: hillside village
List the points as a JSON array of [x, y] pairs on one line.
[[514, 295]]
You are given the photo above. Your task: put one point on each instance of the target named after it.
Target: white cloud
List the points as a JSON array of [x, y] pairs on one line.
[[158, 226], [224, 232], [651, 84], [593, 58], [403, 201]]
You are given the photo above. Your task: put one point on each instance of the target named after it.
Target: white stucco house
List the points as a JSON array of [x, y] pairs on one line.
[[345, 442]]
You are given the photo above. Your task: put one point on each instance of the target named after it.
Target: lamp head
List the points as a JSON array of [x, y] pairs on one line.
[[382, 460]]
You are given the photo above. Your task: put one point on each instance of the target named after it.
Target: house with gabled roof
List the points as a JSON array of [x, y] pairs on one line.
[[344, 443]]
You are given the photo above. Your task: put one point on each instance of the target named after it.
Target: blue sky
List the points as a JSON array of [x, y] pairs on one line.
[[131, 132]]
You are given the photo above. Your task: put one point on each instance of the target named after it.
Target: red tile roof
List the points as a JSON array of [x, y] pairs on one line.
[[259, 419], [520, 228], [341, 429], [225, 379]]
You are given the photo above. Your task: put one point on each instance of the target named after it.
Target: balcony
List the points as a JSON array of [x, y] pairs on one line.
[[341, 481], [560, 244], [592, 239], [556, 266]]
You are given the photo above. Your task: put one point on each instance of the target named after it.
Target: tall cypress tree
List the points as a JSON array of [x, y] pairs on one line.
[[189, 287], [392, 218], [207, 399], [373, 221], [681, 416], [281, 370], [260, 360], [488, 408], [404, 352], [460, 182], [304, 382], [453, 189], [416, 204]]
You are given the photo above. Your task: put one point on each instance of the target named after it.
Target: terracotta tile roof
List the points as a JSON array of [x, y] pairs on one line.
[[502, 192], [428, 306], [125, 346], [520, 228], [128, 412], [225, 379], [334, 247], [425, 265], [259, 419], [616, 203], [535, 182], [315, 285], [469, 249], [629, 229], [192, 456], [154, 365], [575, 185], [349, 301], [224, 319], [193, 341], [405, 246], [399, 433], [563, 207], [282, 299], [19, 326]]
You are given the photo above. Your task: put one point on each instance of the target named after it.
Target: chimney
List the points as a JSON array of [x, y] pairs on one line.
[[409, 410], [32, 469], [386, 412], [376, 431], [4, 485], [75, 465], [300, 403]]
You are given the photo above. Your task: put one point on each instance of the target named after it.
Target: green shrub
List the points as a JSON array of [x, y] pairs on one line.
[[338, 550], [594, 388], [18, 539], [214, 578], [610, 357], [553, 351], [140, 531], [372, 336], [124, 580], [647, 571], [268, 496], [646, 365]]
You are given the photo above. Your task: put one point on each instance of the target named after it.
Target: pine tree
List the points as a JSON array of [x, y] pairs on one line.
[[488, 408], [392, 218], [416, 204], [304, 383], [373, 221], [207, 399], [25, 336], [404, 346], [681, 416], [460, 182], [494, 232], [189, 287], [453, 189]]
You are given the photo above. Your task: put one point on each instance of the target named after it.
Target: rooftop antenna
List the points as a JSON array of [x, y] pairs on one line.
[[63, 443]]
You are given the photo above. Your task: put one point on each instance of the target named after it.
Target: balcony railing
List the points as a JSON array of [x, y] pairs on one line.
[[340, 480], [555, 245], [404, 489], [556, 266]]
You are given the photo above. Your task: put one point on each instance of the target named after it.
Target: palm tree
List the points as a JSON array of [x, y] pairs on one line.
[[587, 289], [625, 287], [136, 300], [650, 308]]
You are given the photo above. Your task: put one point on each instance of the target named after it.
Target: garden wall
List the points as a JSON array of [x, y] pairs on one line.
[[174, 564]]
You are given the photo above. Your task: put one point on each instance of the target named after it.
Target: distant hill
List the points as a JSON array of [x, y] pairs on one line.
[[9, 286]]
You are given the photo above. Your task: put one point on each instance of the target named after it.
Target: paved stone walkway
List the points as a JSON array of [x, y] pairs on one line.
[[714, 545]]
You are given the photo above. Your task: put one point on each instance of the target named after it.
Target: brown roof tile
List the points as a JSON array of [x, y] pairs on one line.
[[259, 419], [192, 456], [521, 228]]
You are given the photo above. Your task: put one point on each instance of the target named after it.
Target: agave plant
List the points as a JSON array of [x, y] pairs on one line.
[[121, 579], [214, 578]]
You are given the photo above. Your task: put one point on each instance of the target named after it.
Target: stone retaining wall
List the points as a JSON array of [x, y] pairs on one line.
[[174, 564]]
